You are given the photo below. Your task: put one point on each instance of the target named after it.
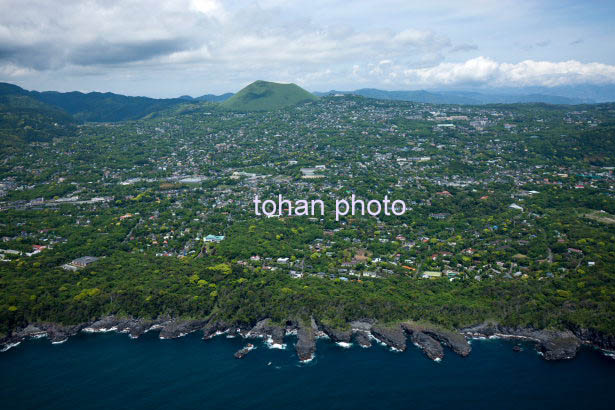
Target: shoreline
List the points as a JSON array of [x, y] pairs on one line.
[[550, 344]]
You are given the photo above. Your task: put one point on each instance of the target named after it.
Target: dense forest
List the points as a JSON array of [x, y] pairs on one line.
[[510, 212]]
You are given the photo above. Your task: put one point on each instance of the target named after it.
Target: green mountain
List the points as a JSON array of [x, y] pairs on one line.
[[104, 107], [24, 119], [265, 96]]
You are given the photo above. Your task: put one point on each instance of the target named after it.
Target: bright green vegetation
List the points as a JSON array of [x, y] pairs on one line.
[[143, 195], [265, 96]]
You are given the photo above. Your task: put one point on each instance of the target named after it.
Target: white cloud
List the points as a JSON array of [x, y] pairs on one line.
[[183, 46], [485, 71]]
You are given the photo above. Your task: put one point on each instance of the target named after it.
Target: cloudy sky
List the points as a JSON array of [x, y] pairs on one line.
[[170, 48]]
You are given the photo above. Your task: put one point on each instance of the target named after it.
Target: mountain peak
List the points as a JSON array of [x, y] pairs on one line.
[[265, 95]]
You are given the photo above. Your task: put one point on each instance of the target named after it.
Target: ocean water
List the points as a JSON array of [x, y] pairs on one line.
[[112, 371]]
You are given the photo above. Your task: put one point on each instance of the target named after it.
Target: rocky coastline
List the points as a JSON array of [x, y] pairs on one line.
[[431, 339]]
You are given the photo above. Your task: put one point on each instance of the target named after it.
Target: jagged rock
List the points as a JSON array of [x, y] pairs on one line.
[[59, 333], [455, 341], [178, 328], [553, 344], [232, 331], [292, 326], [485, 329], [393, 336], [562, 345], [306, 342], [212, 327], [594, 337], [336, 335], [134, 327], [363, 324], [244, 330], [313, 324], [31, 331], [138, 327], [432, 348], [105, 324], [362, 338], [240, 354], [265, 329], [10, 341]]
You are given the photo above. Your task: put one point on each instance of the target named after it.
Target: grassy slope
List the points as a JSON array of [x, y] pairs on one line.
[[264, 96]]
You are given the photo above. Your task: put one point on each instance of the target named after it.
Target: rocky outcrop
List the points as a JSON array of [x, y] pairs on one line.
[[361, 331], [241, 353], [559, 345], [485, 329], [553, 344], [232, 331], [106, 324], [31, 331], [362, 338], [453, 340], [137, 327], [134, 327], [336, 335], [306, 341], [432, 348], [59, 333], [268, 330], [214, 327], [595, 337], [363, 324], [178, 328], [392, 335]]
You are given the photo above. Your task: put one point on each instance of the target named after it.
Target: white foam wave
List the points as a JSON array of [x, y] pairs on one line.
[[153, 327], [99, 330], [308, 360], [270, 344], [10, 346]]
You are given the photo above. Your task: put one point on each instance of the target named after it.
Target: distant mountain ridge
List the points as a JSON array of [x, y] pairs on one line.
[[24, 119], [265, 95], [457, 97], [103, 107], [209, 97], [94, 106]]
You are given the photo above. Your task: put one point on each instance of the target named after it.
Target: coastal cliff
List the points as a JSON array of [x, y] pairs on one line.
[[430, 338]]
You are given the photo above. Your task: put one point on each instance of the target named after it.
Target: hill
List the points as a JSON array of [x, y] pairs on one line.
[[24, 119], [208, 97], [265, 96], [94, 106], [104, 107], [214, 98]]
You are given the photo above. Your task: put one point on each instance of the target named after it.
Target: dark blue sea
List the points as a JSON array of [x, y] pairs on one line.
[[111, 371]]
